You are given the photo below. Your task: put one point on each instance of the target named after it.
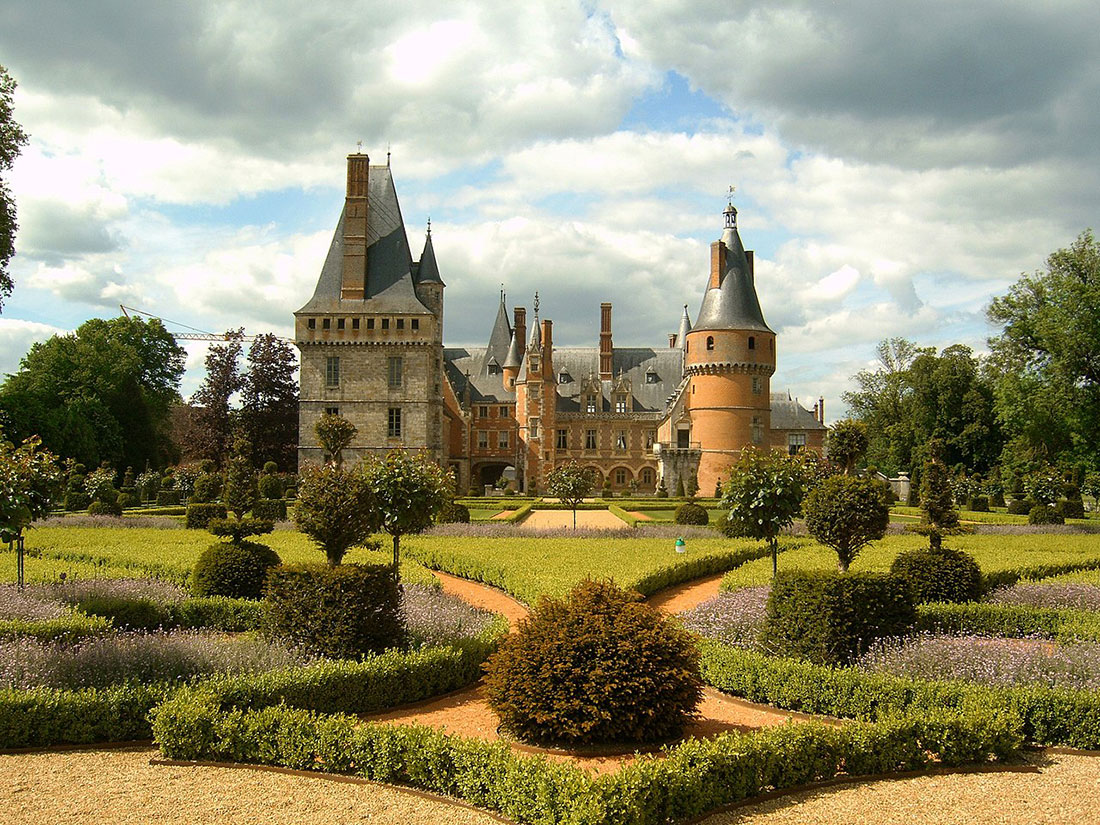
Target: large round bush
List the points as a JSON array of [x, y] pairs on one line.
[[1044, 514], [941, 575], [600, 666], [234, 570], [691, 513]]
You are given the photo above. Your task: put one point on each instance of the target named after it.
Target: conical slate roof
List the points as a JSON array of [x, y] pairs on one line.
[[427, 271], [500, 340], [732, 304], [685, 328], [515, 353]]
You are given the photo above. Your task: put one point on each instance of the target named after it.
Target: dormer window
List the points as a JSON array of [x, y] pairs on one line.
[[652, 378], [590, 404], [564, 377]]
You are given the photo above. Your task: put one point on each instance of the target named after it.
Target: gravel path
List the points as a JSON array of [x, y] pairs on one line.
[[591, 519]]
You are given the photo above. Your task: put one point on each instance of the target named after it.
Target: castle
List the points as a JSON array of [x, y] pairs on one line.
[[371, 340]]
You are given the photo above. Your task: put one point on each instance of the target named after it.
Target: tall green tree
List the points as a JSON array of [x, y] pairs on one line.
[[101, 393], [334, 432], [269, 402], [847, 443], [570, 484], [1046, 360], [215, 418], [12, 140], [763, 495], [407, 492]]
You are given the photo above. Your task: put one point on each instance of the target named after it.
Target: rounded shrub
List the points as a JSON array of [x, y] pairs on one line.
[[454, 513], [1072, 506], [200, 515], [208, 487], [978, 504], [1020, 506], [234, 570], [1044, 514], [105, 508], [600, 666], [128, 500], [340, 611], [270, 485], [691, 513], [941, 575]]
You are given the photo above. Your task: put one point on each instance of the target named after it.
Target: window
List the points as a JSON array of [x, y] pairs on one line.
[[534, 428], [339, 323], [370, 323], [757, 430], [590, 439], [620, 440], [483, 439], [332, 410], [332, 371], [393, 422], [796, 443], [326, 323], [652, 378], [710, 343], [482, 412], [620, 477], [503, 412], [311, 323], [683, 439], [590, 404], [757, 386], [646, 476], [620, 404], [650, 437], [394, 372], [385, 323], [563, 439], [355, 323], [400, 323], [503, 440], [752, 342], [416, 323]]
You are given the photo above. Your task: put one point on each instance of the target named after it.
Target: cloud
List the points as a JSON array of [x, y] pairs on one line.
[[16, 337]]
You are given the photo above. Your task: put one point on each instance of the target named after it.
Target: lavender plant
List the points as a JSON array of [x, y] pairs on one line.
[[433, 617], [988, 660], [1068, 595], [733, 617], [137, 657], [29, 603]]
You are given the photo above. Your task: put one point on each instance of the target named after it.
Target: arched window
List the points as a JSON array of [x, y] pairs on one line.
[[647, 476], [752, 342], [710, 343]]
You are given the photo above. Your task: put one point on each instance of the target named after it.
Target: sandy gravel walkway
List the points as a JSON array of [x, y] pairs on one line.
[[591, 519], [688, 595]]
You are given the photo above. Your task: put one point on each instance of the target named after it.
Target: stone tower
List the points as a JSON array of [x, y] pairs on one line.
[[371, 337], [729, 358]]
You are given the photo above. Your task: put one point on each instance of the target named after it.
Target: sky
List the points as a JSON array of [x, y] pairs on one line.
[[896, 165]]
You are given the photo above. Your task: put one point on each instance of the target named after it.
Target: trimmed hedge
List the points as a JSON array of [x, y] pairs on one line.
[[168, 498], [269, 509], [519, 514], [691, 513], [342, 611], [834, 617], [126, 613], [200, 515], [693, 778], [65, 629], [1010, 620], [629, 520], [234, 570], [1044, 514], [939, 574], [1049, 716]]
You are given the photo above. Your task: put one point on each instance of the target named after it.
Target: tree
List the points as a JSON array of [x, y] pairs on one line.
[[101, 393], [1046, 360], [335, 509], [846, 513], [335, 433], [571, 484], [12, 140], [847, 443], [763, 495], [406, 492], [937, 500], [1091, 487], [30, 480], [215, 419], [269, 402]]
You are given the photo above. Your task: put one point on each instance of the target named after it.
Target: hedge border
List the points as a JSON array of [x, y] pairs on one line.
[[629, 520], [1064, 624], [517, 515], [66, 629], [693, 778]]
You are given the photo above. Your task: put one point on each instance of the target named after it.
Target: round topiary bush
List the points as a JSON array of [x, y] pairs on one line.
[[105, 508], [691, 514], [978, 504], [1072, 506], [454, 513], [1044, 514], [600, 666], [234, 570], [1020, 506], [942, 575], [270, 486]]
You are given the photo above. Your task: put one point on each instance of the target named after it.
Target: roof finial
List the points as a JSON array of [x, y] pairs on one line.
[[429, 220], [536, 304], [359, 147], [502, 294], [387, 155], [730, 212]]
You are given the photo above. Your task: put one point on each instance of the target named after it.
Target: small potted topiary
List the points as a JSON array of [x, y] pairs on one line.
[[622, 672]]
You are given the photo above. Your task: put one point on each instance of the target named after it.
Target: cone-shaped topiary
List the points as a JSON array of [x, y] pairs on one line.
[[600, 666]]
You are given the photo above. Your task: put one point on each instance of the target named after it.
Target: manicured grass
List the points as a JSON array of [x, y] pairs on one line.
[[993, 552], [116, 552], [484, 513], [528, 567], [998, 515]]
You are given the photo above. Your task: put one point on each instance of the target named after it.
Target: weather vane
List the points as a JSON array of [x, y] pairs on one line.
[[729, 196], [536, 303], [359, 146]]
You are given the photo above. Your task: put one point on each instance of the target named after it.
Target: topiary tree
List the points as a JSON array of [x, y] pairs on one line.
[[937, 501], [763, 495], [335, 433], [691, 513], [335, 509], [1090, 486], [847, 443], [846, 513], [600, 666], [237, 570], [239, 495], [941, 575], [407, 492], [570, 484]]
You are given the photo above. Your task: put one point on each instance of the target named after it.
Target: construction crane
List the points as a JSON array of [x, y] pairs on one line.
[[195, 334]]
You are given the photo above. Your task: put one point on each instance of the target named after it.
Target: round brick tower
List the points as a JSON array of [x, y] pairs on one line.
[[730, 358]]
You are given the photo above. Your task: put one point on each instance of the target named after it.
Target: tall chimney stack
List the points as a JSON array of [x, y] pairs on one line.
[[519, 326], [353, 284], [821, 409], [606, 348]]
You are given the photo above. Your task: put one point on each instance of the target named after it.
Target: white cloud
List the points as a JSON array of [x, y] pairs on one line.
[[16, 337]]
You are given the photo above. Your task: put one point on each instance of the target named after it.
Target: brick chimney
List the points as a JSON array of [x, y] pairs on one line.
[[548, 348], [821, 409], [606, 348], [353, 284], [717, 264], [519, 326]]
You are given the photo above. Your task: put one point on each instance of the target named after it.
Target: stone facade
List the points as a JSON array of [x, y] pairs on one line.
[[372, 351]]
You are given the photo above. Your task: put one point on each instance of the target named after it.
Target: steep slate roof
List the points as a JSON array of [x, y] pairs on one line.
[[389, 262], [457, 361], [515, 354], [733, 304], [633, 363], [500, 340], [788, 414], [427, 270], [685, 328]]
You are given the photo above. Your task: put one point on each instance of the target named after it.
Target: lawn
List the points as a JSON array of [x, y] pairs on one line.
[[993, 552]]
